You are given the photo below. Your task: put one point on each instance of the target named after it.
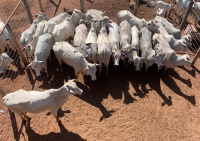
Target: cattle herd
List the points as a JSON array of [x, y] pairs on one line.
[[96, 40]]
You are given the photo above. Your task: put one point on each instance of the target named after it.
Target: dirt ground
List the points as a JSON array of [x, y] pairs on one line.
[[125, 106]]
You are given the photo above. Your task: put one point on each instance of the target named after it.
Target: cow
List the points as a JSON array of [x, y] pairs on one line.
[[49, 26], [150, 56], [169, 27], [131, 19], [137, 60], [170, 58], [30, 48], [92, 40], [27, 35], [103, 47], [5, 62], [22, 101], [80, 34], [66, 29], [125, 41], [163, 7], [114, 38], [64, 51], [42, 52], [5, 36], [175, 44]]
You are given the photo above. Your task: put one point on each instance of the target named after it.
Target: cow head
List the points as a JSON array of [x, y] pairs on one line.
[[152, 26], [116, 56], [127, 52], [91, 70], [76, 16], [28, 50], [186, 60], [37, 66], [137, 61], [72, 87], [41, 16]]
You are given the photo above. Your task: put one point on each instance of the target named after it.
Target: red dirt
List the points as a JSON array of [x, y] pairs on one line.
[[123, 106]]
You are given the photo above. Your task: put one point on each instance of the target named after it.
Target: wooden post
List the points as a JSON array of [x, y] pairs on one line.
[[186, 15], [82, 5], [28, 11], [40, 4], [196, 57], [16, 45], [136, 7]]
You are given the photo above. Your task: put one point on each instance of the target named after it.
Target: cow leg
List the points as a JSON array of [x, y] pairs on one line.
[[27, 117], [165, 70], [55, 114], [76, 74], [106, 65]]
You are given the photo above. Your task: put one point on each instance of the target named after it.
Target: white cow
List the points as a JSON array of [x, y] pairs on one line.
[[94, 15], [64, 51], [80, 34], [49, 26], [131, 19], [162, 6], [150, 56], [135, 44], [104, 48], [169, 27], [66, 29], [5, 61], [92, 40], [5, 36], [114, 39], [30, 48], [51, 100], [176, 44], [27, 35], [125, 40], [170, 58], [42, 52]]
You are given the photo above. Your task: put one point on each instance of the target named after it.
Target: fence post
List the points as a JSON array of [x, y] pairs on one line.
[[186, 15], [136, 7], [40, 4], [16, 45], [82, 5], [28, 11], [196, 57]]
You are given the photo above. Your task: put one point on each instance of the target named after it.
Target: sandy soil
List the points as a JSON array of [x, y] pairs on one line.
[[124, 106]]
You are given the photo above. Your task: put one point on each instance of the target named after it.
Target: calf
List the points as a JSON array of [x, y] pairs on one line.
[[5, 61], [66, 29], [114, 39], [22, 101], [150, 56], [64, 51], [42, 52]]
